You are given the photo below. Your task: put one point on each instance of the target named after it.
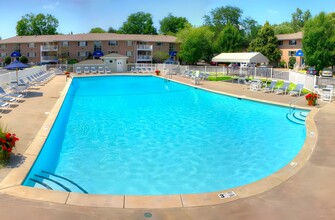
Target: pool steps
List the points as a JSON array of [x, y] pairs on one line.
[[297, 117], [55, 182]]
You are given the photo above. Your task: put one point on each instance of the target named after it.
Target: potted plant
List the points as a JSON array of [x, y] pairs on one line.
[[157, 72], [311, 98], [7, 141]]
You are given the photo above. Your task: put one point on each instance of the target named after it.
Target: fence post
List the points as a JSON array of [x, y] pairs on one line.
[[271, 73]]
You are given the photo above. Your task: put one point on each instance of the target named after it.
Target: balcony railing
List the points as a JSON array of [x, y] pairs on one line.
[[49, 48], [45, 59], [144, 47], [144, 58]]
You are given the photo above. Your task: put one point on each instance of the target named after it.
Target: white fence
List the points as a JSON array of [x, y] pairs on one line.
[[6, 77]]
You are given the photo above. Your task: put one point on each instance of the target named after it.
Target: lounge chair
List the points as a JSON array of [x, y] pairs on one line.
[[283, 89], [108, 70], [271, 87], [101, 70], [326, 94], [4, 94], [196, 77], [86, 69], [255, 85], [93, 69], [3, 105], [297, 90], [78, 70]]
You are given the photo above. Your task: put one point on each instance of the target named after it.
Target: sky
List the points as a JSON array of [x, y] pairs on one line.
[[80, 16]]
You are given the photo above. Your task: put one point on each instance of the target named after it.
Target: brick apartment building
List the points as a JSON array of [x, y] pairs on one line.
[[289, 44], [52, 48], [138, 48]]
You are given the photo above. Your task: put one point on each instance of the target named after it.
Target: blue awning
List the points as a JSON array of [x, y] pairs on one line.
[[299, 53], [15, 54], [98, 53]]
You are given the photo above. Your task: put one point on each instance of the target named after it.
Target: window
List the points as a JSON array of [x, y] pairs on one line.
[[31, 45], [129, 43], [113, 43], [129, 53], [82, 43], [113, 51], [172, 47], [65, 43], [82, 54], [159, 44], [291, 53], [292, 42], [280, 43], [97, 45], [31, 54], [3, 46], [3, 54]]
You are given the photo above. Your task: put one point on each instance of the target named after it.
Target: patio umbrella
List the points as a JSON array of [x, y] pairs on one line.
[[15, 65]]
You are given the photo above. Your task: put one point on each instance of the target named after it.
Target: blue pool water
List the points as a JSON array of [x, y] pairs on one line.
[[141, 135]]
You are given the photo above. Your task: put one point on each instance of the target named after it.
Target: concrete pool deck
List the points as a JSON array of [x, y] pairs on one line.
[[305, 195]]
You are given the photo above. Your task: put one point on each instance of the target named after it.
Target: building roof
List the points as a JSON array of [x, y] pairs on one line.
[[251, 57], [113, 55], [89, 37], [294, 36], [90, 62]]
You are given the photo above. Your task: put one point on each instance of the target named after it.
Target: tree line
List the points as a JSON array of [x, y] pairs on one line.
[[224, 29]]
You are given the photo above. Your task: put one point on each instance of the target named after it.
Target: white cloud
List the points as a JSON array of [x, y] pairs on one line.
[[51, 6]]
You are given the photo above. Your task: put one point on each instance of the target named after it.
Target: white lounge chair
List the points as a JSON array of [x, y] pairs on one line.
[[86, 69], [101, 70], [93, 69], [78, 70]]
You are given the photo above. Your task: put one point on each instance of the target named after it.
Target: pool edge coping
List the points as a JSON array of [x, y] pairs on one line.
[[11, 184]]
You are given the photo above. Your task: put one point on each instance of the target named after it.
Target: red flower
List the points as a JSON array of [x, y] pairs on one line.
[[4, 148]]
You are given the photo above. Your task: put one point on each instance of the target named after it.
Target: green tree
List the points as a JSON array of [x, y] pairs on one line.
[[299, 18], [23, 59], [7, 60], [171, 24], [195, 44], [266, 43], [228, 40], [97, 30], [138, 23], [39, 24], [111, 30], [160, 56], [291, 62], [319, 41], [221, 16], [249, 29], [283, 28]]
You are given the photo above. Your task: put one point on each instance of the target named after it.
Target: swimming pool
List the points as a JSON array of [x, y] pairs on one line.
[[138, 135]]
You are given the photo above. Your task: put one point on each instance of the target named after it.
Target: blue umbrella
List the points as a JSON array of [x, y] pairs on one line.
[[15, 65], [98, 53], [299, 53]]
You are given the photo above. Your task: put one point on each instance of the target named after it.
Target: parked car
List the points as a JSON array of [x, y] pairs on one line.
[[311, 71], [327, 72]]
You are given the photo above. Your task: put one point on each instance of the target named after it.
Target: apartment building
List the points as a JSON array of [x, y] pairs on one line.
[[289, 44], [57, 48]]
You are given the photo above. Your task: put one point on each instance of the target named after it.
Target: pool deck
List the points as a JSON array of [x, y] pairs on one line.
[[307, 193]]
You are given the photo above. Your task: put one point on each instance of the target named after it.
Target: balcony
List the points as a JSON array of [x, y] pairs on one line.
[[49, 48], [144, 47], [144, 58], [47, 59]]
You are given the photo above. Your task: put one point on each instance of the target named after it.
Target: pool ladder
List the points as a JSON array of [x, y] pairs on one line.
[[57, 180]]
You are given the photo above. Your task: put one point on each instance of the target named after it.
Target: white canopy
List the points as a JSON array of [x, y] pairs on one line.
[[252, 57]]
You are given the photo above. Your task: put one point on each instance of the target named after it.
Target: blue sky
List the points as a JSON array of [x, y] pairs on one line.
[[79, 16]]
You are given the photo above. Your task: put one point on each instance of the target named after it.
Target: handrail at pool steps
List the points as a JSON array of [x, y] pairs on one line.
[[57, 182]]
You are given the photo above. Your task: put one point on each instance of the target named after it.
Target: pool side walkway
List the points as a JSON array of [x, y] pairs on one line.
[[307, 195]]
